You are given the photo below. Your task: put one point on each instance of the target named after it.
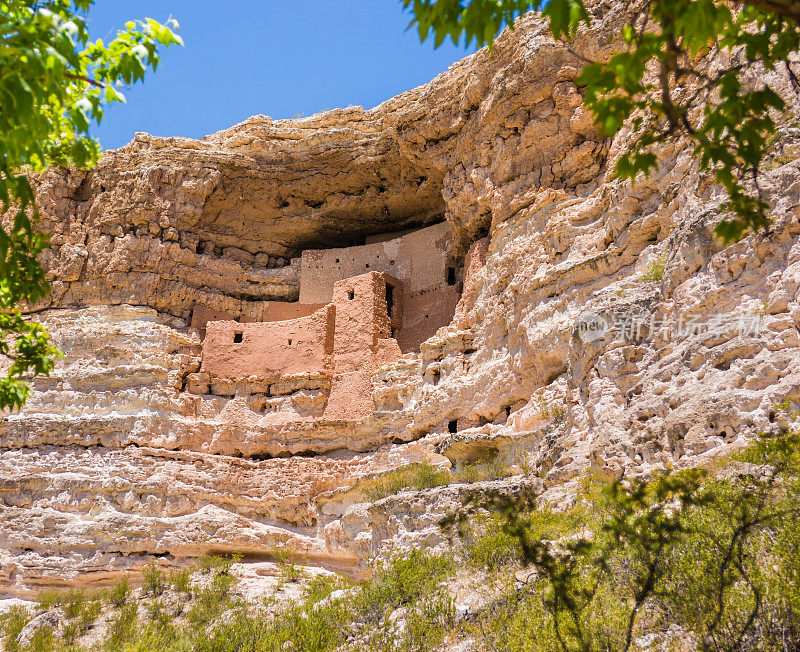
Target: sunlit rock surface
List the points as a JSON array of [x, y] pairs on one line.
[[114, 461]]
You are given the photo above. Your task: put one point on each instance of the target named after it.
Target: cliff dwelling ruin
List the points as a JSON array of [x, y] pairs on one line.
[[245, 353], [359, 308]]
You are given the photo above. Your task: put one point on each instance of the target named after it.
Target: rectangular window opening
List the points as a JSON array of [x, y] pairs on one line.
[[389, 299], [351, 295], [238, 337], [452, 426], [451, 275]]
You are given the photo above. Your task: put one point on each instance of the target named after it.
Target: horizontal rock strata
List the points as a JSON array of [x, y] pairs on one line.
[[122, 456]]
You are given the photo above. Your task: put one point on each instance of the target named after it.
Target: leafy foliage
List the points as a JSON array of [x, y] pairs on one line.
[[716, 557], [419, 476], [54, 82], [662, 82], [217, 618], [655, 270]]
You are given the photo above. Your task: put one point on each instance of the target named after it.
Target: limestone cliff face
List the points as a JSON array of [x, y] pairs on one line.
[[114, 461]]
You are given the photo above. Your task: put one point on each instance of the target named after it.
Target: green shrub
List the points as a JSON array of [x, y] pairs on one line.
[[119, 593], [153, 580], [123, 629], [555, 411], [655, 270], [73, 602], [205, 564], [208, 564], [419, 476], [404, 578], [321, 586], [468, 474], [43, 640], [181, 581], [494, 468], [289, 571], [89, 613], [428, 623], [49, 599], [212, 599], [12, 623], [488, 546], [717, 558]]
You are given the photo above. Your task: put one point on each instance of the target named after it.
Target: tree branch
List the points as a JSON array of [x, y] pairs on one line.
[[84, 79], [787, 8]]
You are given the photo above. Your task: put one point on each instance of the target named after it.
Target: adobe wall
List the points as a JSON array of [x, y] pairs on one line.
[[284, 310], [419, 259], [269, 351], [268, 311], [363, 320], [201, 315], [424, 314]]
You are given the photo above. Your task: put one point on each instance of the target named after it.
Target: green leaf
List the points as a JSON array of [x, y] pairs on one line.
[[113, 95]]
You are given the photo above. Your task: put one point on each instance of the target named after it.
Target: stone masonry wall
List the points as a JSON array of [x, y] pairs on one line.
[[419, 259], [269, 351]]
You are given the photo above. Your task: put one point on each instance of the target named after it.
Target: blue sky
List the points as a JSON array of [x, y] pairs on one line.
[[276, 57]]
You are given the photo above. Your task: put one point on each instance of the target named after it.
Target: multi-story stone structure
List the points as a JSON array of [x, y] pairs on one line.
[[359, 307]]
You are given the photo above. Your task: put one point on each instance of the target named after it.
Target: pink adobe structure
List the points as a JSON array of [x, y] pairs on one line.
[[344, 327], [338, 346]]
